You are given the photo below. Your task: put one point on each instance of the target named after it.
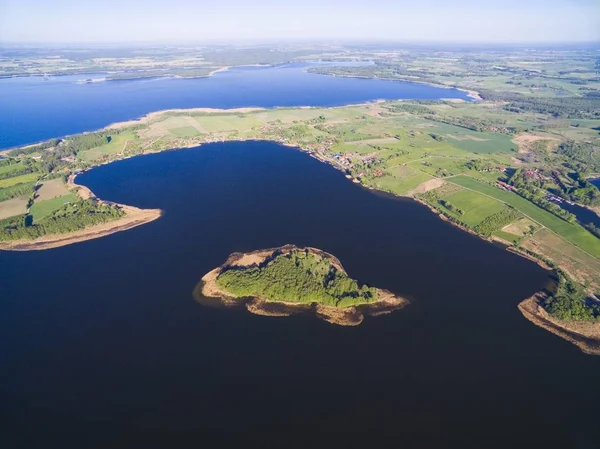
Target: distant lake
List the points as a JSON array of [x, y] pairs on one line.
[[33, 109], [103, 346]]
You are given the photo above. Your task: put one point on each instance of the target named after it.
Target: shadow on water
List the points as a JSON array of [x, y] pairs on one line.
[[103, 346]]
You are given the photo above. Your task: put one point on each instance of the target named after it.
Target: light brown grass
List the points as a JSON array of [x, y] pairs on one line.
[[13, 207]]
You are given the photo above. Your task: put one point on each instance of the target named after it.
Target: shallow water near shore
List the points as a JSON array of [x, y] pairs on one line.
[[34, 109], [103, 346]]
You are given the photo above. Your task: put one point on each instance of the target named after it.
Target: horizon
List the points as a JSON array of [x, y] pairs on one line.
[[183, 22]]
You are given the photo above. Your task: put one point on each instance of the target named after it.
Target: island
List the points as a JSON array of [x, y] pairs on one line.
[[288, 280], [517, 167]]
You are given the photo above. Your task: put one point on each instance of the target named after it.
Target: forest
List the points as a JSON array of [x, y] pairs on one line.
[[570, 303], [71, 217], [298, 276]]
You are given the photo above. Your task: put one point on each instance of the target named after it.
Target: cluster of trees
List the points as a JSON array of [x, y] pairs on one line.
[[35, 148], [295, 132], [531, 188], [451, 207], [587, 107], [412, 109], [71, 217], [547, 205], [73, 145], [16, 168], [497, 221], [585, 193], [583, 155], [320, 119], [25, 188], [297, 276], [67, 147], [570, 303], [593, 229], [475, 124], [479, 165]]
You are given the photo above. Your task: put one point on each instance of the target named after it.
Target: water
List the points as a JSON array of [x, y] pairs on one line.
[[102, 345], [32, 109], [583, 214]]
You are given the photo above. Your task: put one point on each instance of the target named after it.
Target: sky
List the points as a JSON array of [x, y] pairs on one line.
[[198, 21]]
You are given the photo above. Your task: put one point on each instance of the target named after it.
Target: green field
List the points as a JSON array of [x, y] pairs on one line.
[[402, 180], [185, 131], [221, 123], [475, 207], [571, 232], [41, 209], [473, 141], [116, 145], [29, 177], [8, 169]]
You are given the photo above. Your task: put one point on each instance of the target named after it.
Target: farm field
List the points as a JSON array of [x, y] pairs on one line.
[[572, 232], [185, 131], [8, 182], [579, 264], [116, 145], [14, 206], [401, 180], [51, 189], [41, 209], [220, 123], [475, 207]]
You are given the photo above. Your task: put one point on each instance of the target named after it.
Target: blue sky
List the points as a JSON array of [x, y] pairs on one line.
[[171, 21]]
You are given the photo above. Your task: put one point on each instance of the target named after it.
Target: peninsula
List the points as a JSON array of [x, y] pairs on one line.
[[289, 280], [517, 167]]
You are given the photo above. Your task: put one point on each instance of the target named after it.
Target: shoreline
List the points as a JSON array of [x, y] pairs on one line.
[[342, 316], [473, 94], [584, 335], [133, 218], [257, 308]]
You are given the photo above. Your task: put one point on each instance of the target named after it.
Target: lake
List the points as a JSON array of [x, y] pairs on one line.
[[34, 110], [103, 346]]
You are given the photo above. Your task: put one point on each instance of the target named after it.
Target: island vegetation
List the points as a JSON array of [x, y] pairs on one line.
[[502, 167], [286, 280]]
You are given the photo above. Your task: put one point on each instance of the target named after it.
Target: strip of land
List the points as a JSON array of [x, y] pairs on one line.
[[133, 217]]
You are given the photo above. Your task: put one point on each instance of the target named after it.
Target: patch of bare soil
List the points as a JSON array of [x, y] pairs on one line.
[[13, 207], [584, 335], [524, 141], [426, 186], [51, 189]]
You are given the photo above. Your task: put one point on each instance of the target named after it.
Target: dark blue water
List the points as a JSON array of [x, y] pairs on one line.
[[103, 346], [32, 109], [584, 215]]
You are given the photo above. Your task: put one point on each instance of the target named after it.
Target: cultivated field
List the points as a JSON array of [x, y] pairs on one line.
[[13, 207]]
